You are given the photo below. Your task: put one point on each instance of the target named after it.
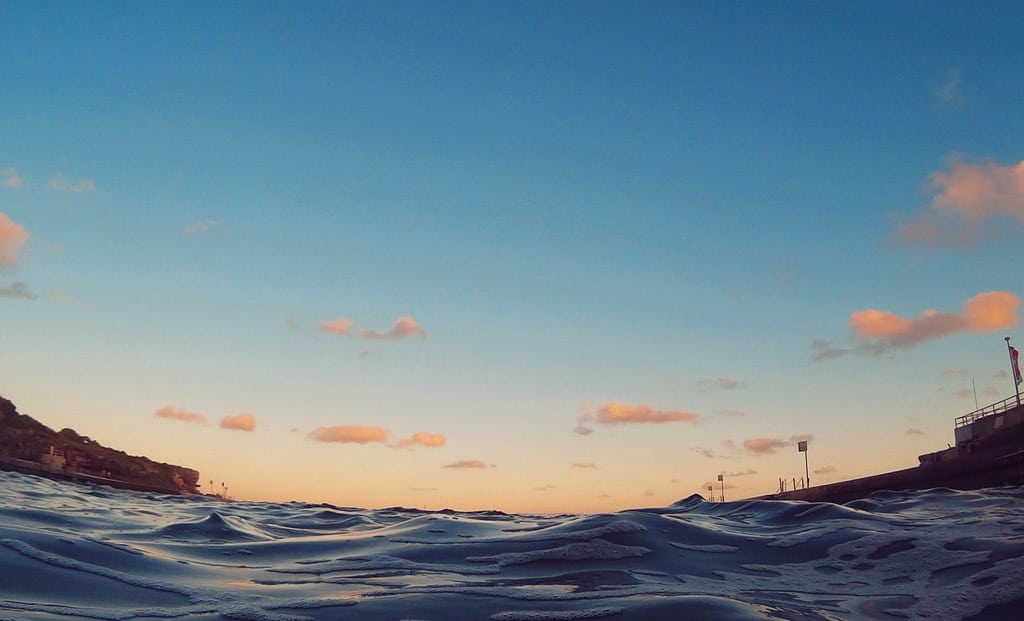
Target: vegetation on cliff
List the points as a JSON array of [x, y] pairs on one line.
[[22, 437]]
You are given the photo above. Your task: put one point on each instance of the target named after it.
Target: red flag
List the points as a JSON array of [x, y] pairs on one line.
[[1017, 370]]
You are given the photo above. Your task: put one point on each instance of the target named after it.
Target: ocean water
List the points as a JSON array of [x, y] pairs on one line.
[[70, 551]]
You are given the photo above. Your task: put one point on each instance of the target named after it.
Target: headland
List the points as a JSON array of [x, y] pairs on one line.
[[30, 447]]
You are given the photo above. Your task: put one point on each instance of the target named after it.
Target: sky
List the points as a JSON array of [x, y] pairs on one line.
[[527, 256]]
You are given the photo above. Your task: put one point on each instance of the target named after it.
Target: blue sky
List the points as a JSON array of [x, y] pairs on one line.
[[575, 205]]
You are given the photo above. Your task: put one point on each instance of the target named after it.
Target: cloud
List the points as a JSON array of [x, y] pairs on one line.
[[404, 327], [60, 183], [966, 197], [710, 384], [914, 431], [585, 465], [17, 291], [467, 464], [985, 312], [742, 473], [729, 413], [340, 326], [703, 451], [582, 429], [422, 438], [949, 92], [620, 413], [824, 350], [768, 446], [358, 434], [12, 237], [825, 470], [11, 178], [241, 422], [185, 416], [543, 488], [764, 446], [199, 228]]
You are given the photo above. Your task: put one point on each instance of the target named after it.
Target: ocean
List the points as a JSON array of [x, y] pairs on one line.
[[72, 551]]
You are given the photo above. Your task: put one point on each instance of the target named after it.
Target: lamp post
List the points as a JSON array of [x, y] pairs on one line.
[[721, 478], [802, 447], [711, 493]]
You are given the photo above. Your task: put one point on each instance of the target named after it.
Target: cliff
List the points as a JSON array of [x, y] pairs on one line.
[[30, 446]]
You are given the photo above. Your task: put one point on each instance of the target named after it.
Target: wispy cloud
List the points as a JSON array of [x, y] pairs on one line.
[[914, 431], [355, 434], [60, 183], [823, 350], [710, 384], [199, 228], [966, 197], [543, 488], [729, 413], [17, 291], [949, 93], [741, 473], [825, 470], [11, 178], [768, 446], [404, 327], [985, 312], [240, 422], [422, 438], [700, 450], [469, 464], [180, 414], [12, 237], [589, 465]]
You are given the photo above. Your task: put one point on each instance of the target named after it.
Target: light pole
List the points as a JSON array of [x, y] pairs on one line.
[[802, 447], [721, 478], [711, 493]]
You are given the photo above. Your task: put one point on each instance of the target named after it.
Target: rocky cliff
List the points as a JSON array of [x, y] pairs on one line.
[[24, 438]]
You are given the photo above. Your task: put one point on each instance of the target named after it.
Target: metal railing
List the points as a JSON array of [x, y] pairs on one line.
[[996, 408]]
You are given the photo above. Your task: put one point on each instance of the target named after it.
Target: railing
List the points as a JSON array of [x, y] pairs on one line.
[[998, 407]]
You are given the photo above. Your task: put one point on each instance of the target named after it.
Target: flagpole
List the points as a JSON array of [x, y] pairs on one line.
[[1013, 369]]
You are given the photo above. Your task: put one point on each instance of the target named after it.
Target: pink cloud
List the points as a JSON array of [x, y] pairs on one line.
[[241, 422], [174, 413], [359, 434], [12, 237], [966, 195], [764, 446], [341, 326], [619, 413], [467, 464], [985, 312], [403, 328], [423, 438], [11, 178]]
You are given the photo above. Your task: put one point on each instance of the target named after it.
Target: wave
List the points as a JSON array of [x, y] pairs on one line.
[[73, 551]]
